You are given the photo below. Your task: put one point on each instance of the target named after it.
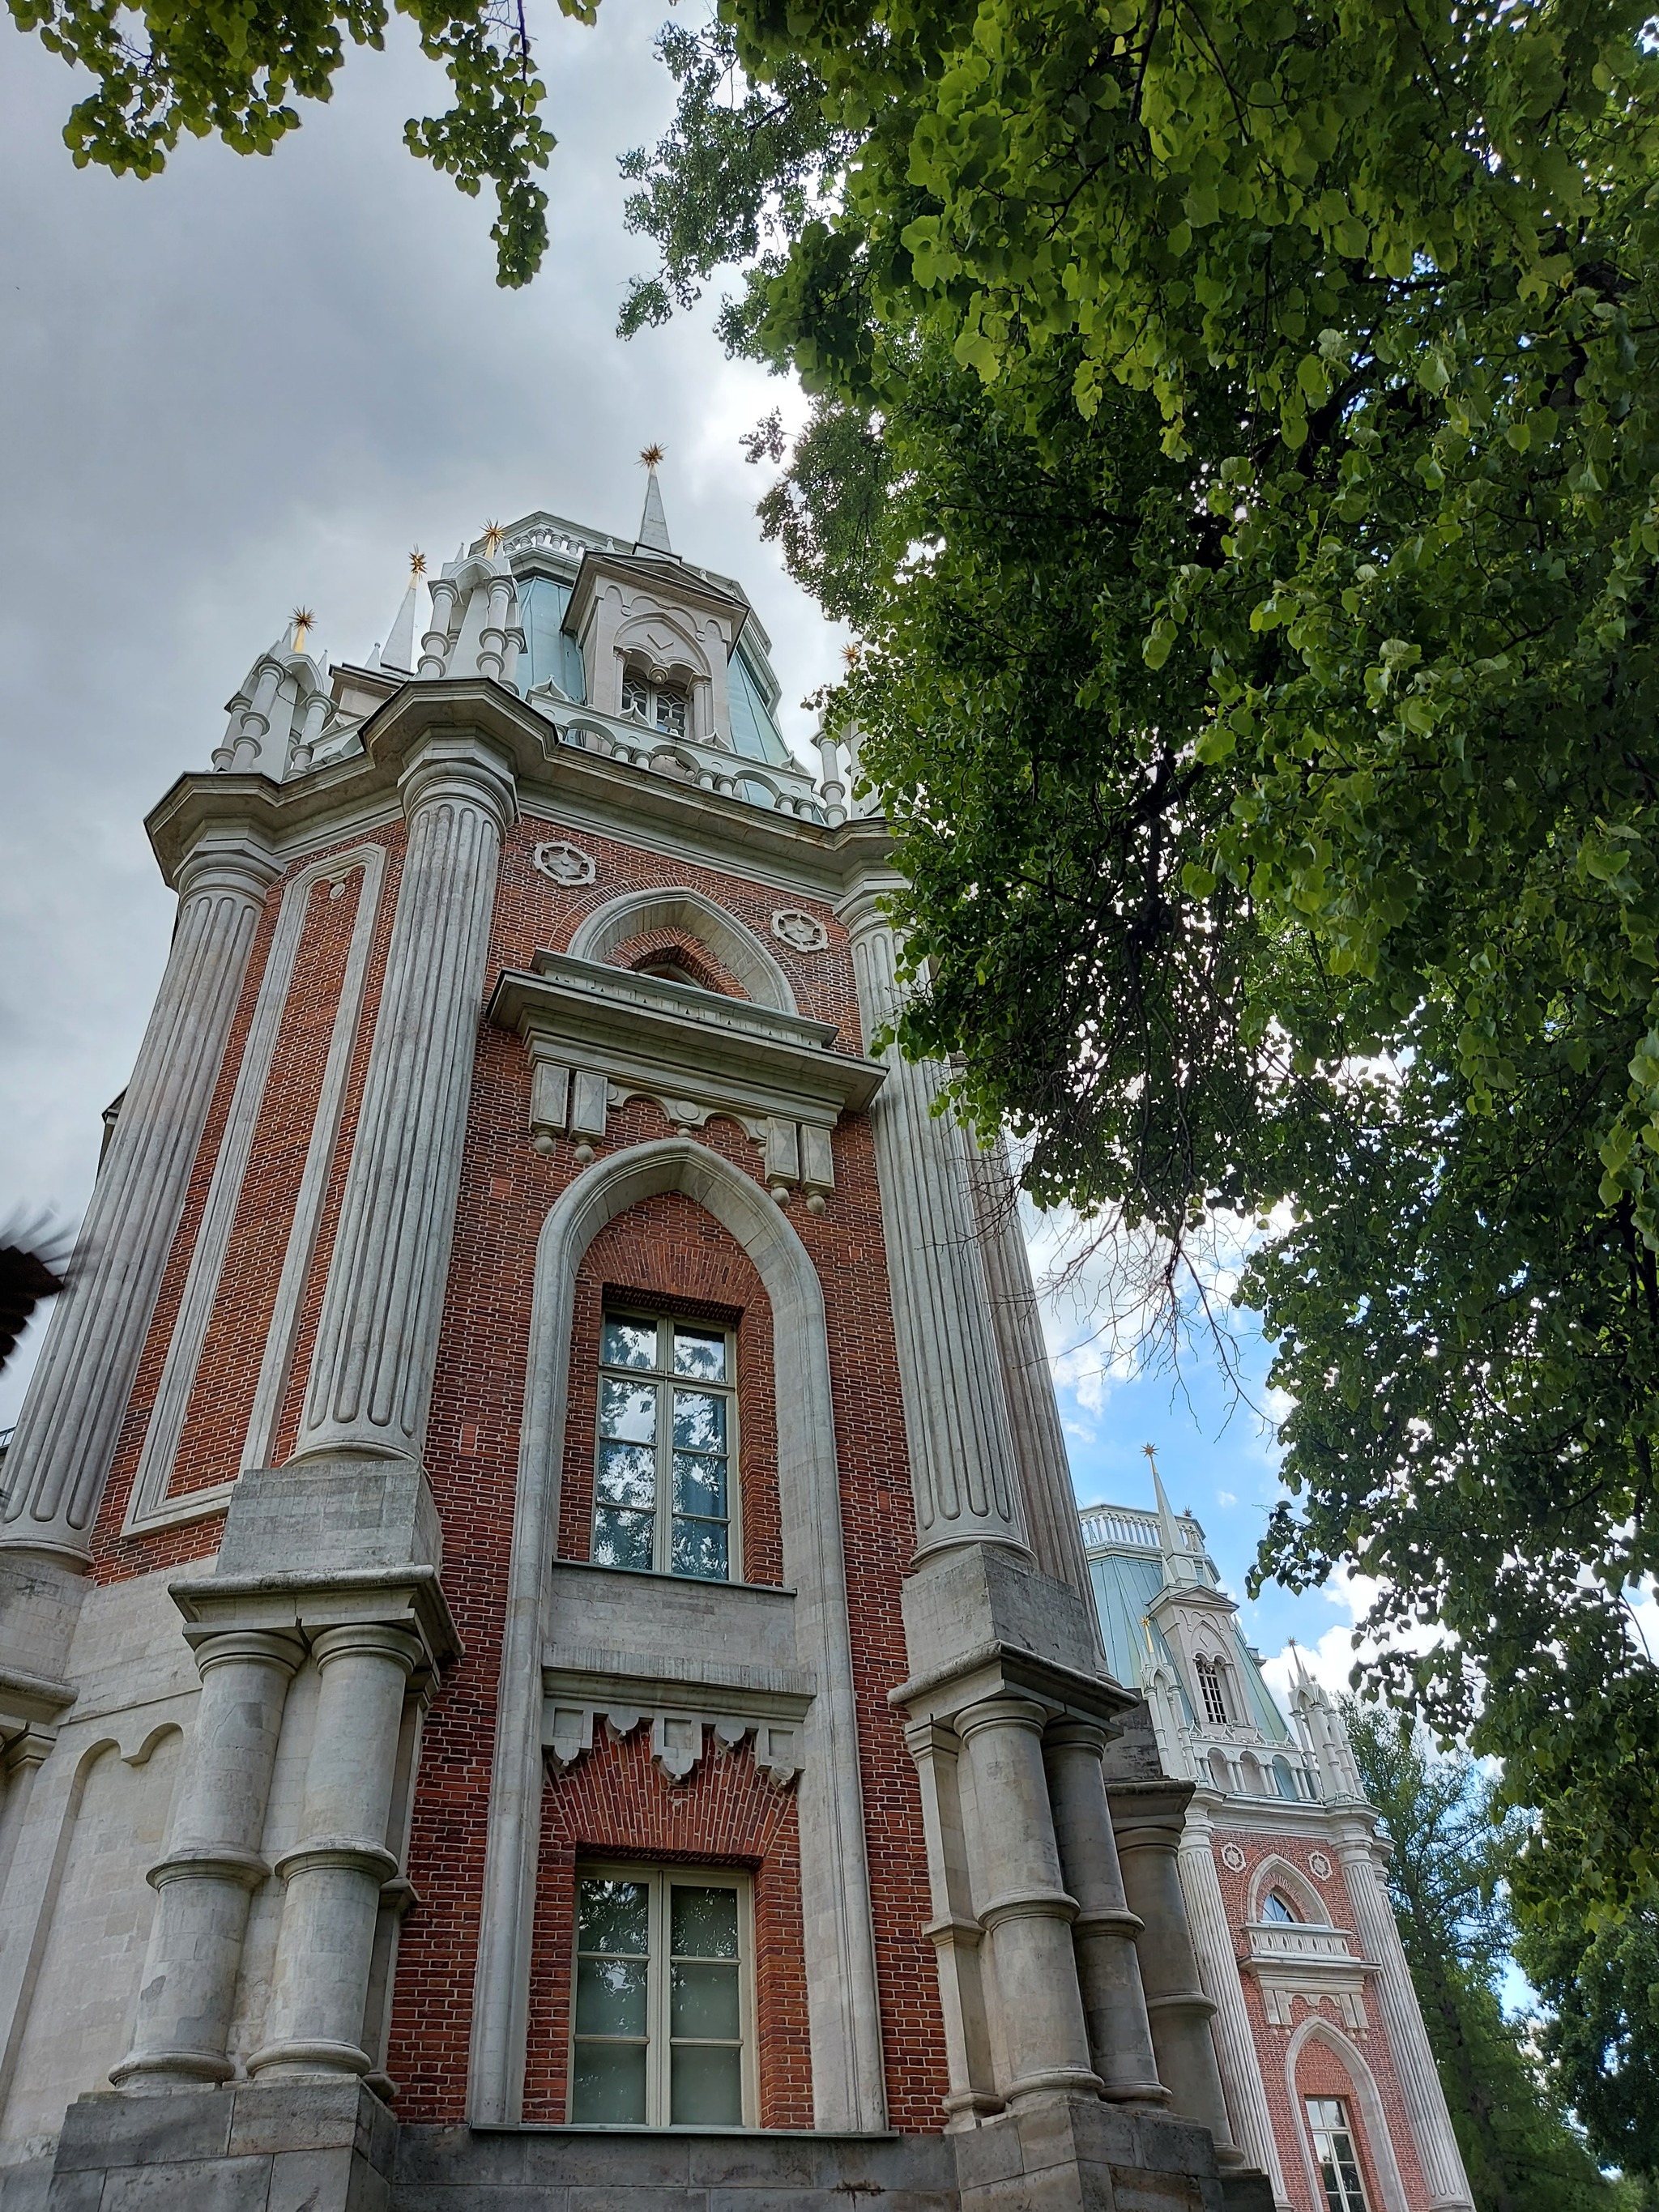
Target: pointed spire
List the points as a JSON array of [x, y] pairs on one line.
[[1168, 1531], [398, 651], [653, 523]]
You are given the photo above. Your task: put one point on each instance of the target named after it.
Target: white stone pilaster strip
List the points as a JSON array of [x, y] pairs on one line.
[[212, 1864], [207, 1258], [1402, 2020], [334, 1876], [1021, 1902], [1218, 1970], [962, 1470], [371, 1374], [1104, 1930], [1039, 1442], [59, 1459]]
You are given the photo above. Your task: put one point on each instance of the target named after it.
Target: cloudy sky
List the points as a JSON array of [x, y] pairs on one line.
[[249, 383]]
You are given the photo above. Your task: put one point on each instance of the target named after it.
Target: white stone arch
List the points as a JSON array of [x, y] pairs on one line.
[[843, 2019], [1279, 1873], [1366, 2096], [682, 655], [737, 948]]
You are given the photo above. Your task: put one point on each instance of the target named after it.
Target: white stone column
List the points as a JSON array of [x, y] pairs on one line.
[[371, 1374], [963, 1468], [1034, 1417], [334, 1876], [1217, 1969], [59, 1458], [187, 1994], [955, 1934], [1147, 1823], [1021, 1902], [1419, 2079], [1104, 1930]]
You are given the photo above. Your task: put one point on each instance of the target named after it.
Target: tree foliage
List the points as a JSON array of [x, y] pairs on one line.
[[1238, 441], [233, 67], [1601, 2038], [1446, 1879]]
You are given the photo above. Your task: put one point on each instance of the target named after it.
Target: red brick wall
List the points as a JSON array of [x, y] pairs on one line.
[[1322, 2072], [217, 1417], [613, 1803], [1273, 2042]]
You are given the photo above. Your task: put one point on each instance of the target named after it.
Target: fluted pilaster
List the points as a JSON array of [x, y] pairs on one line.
[[1034, 1417], [1396, 2000], [1217, 1969], [963, 1466], [60, 1457], [371, 1375]]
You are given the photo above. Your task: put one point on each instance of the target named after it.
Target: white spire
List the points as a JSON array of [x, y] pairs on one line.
[[653, 523], [398, 651]]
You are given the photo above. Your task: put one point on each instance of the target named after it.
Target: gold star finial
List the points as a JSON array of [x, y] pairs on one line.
[[852, 654], [493, 536], [304, 622], [416, 562], [1151, 1451], [650, 456]]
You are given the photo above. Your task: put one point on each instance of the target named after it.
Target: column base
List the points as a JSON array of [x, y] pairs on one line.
[[328, 2146], [317, 2060], [168, 2073], [1068, 2154]]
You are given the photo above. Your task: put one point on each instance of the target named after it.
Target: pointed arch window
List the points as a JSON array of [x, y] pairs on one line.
[[1338, 2161], [1277, 1906], [1213, 1691], [662, 707]]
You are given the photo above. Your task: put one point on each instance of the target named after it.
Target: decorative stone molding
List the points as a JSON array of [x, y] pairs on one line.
[[1232, 1858], [801, 933], [565, 863], [1319, 1865], [599, 1035], [1302, 1961], [743, 955], [677, 1743]]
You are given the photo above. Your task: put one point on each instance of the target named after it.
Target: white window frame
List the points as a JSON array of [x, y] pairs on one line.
[[662, 1881], [1210, 1670], [655, 695], [1321, 2132], [664, 1378]]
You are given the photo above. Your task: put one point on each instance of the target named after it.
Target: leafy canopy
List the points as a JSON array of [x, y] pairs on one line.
[[232, 68], [1445, 1879], [1238, 442]]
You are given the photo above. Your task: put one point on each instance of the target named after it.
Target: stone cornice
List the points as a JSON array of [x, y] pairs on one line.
[[999, 1669], [667, 573], [314, 1601], [659, 1036], [611, 797]]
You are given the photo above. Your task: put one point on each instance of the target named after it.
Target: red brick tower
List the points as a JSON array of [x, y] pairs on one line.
[[635, 1737]]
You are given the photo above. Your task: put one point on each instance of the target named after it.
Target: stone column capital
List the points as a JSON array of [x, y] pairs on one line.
[[1074, 1733], [863, 908], [460, 766], [227, 857], [253, 1647], [373, 1640], [1001, 1712]]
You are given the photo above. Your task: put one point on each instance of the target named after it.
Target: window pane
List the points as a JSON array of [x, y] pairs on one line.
[[699, 1421], [628, 1343], [611, 1996], [701, 1352], [707, 2087], [621, 1539], [608, 2088], [628, 1475], [703, 2001], [700, 1549], [635, 696], [700, 1485], [614, 1916], [1274, 1907], [627, 1410], [670, 711], [702, 1922]]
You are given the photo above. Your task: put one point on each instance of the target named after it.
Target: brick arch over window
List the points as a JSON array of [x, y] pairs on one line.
[[843, 2019], [653, 946], [688, 914], [1276, 1873], [1361, 2084]]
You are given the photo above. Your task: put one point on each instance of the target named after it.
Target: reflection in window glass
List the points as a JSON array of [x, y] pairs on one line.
[[1338, 2160], [1275, 1907], [659, 2035], [662, 1478]]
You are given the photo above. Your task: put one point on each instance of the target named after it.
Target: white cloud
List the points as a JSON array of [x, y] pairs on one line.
[[1225, 1498]]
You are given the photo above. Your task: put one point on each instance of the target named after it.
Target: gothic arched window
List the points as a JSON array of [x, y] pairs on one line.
[[1276, 1906], [1212, 1689], [658, 706]]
